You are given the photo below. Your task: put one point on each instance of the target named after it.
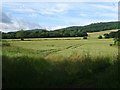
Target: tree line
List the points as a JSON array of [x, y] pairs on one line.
[[73, 31], [110, 35], [42, 34]]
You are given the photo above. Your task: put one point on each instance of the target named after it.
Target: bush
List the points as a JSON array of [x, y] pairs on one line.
[[111, 44], [106, 36], [100, 37], [85, 37]]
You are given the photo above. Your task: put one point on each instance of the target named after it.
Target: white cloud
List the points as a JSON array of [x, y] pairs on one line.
[[33, 15], [56, 27], [83, 14], [61, 1], [8, 27], [113, 7], [24, 10], [53, 9], [38, 8], [110, 15], [16, 24]]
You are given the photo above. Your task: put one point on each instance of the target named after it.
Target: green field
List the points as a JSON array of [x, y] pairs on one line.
[[67, 47], [49, 47], [60, 62]]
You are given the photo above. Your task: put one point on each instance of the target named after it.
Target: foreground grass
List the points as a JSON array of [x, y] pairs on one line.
[[23, 68], [25, 72]]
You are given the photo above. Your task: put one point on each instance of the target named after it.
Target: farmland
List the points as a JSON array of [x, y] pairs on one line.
[[68, 46], [59, 44], [60, 62]]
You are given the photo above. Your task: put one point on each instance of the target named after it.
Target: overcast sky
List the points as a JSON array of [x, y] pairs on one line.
[[55, 15]]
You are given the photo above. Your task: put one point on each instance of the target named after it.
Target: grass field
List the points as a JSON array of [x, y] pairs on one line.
[[60, 62], [66, 46]]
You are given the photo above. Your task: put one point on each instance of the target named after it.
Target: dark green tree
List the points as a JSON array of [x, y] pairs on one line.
[[20, 34], [116, 41], [100, 37], [106, 36]]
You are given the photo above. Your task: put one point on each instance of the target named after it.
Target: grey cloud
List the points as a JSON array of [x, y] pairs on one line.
[[27, 25], [9, 24], [5, 18]]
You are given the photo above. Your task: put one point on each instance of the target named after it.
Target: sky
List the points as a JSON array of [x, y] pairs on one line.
[[55, 15]]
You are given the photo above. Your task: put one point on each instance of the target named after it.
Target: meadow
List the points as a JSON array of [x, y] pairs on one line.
[[60, 62]]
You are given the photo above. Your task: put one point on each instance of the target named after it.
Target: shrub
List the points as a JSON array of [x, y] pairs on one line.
[[100, 37], [111, 44], [85, 37], [106, 36]]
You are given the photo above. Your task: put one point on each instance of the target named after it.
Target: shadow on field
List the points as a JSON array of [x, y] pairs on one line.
[[25, 72]]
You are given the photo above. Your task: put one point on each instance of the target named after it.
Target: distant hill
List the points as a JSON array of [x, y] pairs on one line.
[[73, 31], [94, 27]]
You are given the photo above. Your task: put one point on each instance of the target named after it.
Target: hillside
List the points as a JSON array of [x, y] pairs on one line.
[[94, 27], [96, 34], [73, 31]]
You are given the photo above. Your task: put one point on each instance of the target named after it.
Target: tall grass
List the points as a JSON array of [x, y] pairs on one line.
[[23, 68], [26, 72], [5, 43]]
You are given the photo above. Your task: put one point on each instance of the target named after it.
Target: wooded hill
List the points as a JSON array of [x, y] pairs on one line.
[[73, 31]]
